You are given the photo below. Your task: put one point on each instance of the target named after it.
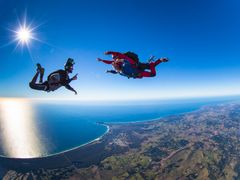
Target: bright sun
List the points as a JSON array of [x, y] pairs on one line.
[[24, 35]]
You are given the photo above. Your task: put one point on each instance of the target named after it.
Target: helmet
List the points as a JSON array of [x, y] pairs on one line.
[[70, 62]]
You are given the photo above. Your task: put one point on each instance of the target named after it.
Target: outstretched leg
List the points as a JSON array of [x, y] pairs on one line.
[[41, 71], [144, 66], [38, 86], [34, 79], [152, 72]]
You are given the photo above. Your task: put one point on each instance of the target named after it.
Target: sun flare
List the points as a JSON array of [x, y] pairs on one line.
[[24, 35]]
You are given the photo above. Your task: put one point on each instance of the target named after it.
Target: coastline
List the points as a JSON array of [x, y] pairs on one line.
[[62, 154], [128, 120], [52, 161], [107, 125], [159, 144], [32, 163], [65, 151]]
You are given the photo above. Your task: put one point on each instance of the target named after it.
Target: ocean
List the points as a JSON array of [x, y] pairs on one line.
[[42, 128]]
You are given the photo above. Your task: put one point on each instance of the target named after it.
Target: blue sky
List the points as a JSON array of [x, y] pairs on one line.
[[201, 38]]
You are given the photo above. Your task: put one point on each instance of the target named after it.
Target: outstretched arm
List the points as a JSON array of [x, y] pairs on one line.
[[112, 71], [115, 72], [71, 89], [121, 56], [105, 61], [65, 82]]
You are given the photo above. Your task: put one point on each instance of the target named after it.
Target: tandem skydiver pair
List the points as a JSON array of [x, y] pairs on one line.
[[126, 64]]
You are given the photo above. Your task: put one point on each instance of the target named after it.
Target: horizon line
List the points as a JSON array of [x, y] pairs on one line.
[[119, 100]]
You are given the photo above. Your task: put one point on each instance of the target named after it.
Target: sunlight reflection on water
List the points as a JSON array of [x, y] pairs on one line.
[[19, 134]]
